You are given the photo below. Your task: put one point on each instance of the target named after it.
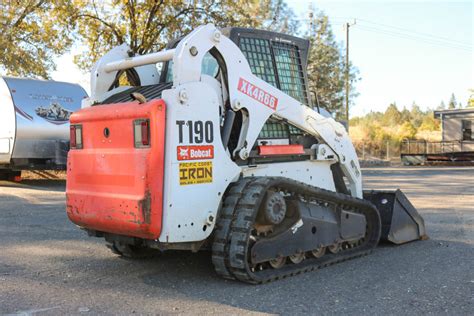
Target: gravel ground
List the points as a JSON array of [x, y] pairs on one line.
[[49, 267]]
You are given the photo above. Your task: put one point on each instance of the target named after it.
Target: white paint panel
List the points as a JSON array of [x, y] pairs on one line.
[[186, 208], [4, 146], [316, 173], [7, 123]]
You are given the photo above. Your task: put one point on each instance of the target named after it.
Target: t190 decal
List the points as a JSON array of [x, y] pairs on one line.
[[195, 132]]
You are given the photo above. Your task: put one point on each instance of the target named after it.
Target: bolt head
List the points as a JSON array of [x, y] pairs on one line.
[[183, 96], [193, 51], [216, 36]]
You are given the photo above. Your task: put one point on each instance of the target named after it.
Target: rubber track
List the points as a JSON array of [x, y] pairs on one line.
[[237, 216]]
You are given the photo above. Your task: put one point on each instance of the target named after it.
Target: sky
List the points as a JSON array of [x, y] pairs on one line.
[[405, 51]]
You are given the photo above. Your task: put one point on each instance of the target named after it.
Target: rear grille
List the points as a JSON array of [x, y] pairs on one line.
[[149, 92]]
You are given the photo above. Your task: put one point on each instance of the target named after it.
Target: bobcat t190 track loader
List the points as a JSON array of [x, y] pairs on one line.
[[223, 151]]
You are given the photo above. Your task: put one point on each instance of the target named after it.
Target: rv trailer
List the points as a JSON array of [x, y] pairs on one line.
[[34, 124]]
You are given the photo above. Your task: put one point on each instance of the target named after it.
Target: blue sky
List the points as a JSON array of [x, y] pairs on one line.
[[405, 51]]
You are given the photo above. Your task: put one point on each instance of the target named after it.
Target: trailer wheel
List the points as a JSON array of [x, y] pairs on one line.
[[131, 251]]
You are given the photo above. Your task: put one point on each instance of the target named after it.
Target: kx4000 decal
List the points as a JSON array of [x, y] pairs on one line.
[[195, 152], [257, 94], [195, 172]]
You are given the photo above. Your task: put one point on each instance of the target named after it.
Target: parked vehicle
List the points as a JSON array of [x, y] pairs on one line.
[[34, 124]]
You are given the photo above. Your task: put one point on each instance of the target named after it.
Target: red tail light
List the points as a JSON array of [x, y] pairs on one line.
[[141, 130], [72, 136], [75, 139], [145, 133]]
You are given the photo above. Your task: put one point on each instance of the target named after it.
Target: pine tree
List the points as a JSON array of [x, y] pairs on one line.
[[452, 102], [326, 66]]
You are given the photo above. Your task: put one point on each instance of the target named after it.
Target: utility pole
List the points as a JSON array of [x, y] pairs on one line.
[[347, 26]]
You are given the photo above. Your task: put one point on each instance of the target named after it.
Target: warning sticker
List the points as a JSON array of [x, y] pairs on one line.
[[195, 172]]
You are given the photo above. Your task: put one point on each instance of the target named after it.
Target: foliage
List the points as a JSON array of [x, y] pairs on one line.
[[470, 102], [374, 131], [452, 102], [391, 116], [33, 33], [326, 66], [147, 26], [406, 131]]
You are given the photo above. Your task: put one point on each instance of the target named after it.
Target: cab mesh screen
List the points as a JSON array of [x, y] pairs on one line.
[[280, 65]]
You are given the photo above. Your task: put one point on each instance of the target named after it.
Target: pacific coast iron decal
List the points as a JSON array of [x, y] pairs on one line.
[[55, 113], [257, 94]]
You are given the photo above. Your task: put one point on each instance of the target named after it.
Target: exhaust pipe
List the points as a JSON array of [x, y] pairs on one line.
[[401, 223]]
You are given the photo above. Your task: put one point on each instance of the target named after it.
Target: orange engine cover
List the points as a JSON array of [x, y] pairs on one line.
[[112, 186]]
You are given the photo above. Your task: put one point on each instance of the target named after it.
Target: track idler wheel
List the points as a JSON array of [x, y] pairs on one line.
[[335, 248], [319, 252], [277, 263], [297, 257]]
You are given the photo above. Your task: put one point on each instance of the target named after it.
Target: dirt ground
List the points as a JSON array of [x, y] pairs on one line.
[[49, 267]]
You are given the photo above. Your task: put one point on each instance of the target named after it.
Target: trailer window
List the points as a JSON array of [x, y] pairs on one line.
[[467, 130]]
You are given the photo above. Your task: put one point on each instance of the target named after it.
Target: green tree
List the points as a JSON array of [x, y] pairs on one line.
[[326, 66], [405, 115], [392, 116], [416, 115], [33, 33], [452, 102], [147, 26], [441, 106]]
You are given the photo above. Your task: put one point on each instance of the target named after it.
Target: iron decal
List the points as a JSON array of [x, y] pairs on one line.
[[195, 172]]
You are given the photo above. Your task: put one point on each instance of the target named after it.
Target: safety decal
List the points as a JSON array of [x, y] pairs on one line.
[[257, 94], [195, 172], [195, 152]]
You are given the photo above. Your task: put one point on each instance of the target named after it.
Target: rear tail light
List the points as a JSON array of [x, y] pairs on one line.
[[141, 130], [75, 133]]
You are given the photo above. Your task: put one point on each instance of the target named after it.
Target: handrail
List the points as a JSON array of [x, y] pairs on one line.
[[141, 60]]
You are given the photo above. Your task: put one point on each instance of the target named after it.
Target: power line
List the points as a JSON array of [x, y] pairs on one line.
[[413, 31], [407, 33], [415, 38]]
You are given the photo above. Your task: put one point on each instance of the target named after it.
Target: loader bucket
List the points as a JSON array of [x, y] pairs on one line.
[[401, 222]]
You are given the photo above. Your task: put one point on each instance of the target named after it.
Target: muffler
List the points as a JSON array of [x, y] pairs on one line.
[[401, 222]]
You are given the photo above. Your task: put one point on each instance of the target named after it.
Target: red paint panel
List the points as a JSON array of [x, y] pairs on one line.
[[111, 185], [272, 150], [199, 152]]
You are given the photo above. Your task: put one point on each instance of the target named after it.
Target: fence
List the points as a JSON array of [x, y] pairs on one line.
[[422, 147]]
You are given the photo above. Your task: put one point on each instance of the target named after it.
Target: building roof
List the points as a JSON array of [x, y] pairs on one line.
[[459, 112]]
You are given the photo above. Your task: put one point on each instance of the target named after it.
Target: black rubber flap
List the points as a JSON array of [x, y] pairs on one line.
[[401, 222]]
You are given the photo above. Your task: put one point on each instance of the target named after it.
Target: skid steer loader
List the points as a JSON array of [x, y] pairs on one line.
[[215, 145]]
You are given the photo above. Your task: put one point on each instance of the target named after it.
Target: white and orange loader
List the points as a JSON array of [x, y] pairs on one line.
[[222, 150]]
